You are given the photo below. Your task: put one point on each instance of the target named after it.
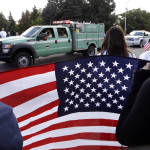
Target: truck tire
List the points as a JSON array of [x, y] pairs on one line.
[[23, 59], [91, 51]]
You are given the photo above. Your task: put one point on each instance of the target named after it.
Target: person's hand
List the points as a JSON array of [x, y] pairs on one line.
[[147, 66]]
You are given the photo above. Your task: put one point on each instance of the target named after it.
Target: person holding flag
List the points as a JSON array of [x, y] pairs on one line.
[[133, 125]]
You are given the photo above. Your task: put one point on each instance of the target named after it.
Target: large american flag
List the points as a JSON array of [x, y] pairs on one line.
[[71, 105]]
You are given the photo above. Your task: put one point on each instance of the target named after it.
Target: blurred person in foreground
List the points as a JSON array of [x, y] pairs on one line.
[[133, 128], [10, 136], [114, 43]]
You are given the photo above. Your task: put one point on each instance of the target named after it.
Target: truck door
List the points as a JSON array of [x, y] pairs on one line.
[[47, 46], [147, 36], [64, 41]]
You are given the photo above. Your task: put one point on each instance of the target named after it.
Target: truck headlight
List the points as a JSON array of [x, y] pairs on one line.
[[6, 48]]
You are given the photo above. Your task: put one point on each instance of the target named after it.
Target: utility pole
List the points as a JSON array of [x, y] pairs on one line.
[[125, 20]]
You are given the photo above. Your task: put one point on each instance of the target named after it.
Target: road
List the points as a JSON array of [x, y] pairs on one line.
[[60, 57]]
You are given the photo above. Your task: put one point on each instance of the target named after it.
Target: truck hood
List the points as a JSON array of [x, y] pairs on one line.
[[132, 36], [16, 39]]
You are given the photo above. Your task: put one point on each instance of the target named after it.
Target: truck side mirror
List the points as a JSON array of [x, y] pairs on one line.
[[145, 34]]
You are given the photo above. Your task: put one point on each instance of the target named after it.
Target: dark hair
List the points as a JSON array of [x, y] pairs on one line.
[[114, 42]]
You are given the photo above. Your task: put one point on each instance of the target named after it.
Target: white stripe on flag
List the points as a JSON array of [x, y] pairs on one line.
[[75, 143], [25, 83], [46, 113], [70, 131], [74, 116], [35, 103]]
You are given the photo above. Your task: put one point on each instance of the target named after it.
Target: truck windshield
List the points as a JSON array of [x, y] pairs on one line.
[[31, 32], [136, 33]]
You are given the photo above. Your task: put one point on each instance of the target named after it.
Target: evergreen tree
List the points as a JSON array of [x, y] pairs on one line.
[[51, 11], [96, 11], [35, 17], [73, 10], [11, 26], [24, 22], [101, 11], [3, 21]]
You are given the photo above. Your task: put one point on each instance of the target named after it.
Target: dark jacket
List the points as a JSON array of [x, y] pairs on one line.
[[10, 136], [133, 128]]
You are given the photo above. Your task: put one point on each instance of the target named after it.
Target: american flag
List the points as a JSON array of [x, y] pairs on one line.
[[71, 105], [146, 46]]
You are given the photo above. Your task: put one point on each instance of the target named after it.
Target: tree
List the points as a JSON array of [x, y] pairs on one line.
[[11, 26], [137, 19], [101, 11], [51, 11], [96, 11], [24, 22], [3, 21], [35, 17], [73, 10]]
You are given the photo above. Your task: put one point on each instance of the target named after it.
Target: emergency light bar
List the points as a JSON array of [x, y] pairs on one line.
[[62, 22]]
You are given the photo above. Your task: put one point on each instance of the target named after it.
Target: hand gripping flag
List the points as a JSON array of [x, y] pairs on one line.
[[71, 105]]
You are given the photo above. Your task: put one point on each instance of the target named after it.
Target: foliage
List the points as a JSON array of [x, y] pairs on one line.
[[25, 21], [51, 11], [35, 17], [96, 11], [11, 25], [3, 21], [29, 19], [101, 11], [137, 19]]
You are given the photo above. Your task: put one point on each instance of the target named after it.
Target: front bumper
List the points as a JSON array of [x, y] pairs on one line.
[[4, 57], [132, 43]]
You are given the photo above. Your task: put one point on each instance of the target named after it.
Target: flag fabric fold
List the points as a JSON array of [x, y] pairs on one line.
[[72, 105], [146, 45]]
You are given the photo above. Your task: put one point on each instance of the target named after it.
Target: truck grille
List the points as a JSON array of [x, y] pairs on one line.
[[0, 46]]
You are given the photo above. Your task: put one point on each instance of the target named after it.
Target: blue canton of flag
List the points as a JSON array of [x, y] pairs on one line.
[[95, 84]]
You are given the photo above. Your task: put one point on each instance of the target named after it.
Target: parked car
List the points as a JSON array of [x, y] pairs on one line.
[[137, 38]]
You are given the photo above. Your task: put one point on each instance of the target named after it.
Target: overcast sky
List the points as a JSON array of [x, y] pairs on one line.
[[18, 6]]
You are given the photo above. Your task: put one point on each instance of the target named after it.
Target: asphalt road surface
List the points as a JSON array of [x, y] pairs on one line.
[[60, 57]]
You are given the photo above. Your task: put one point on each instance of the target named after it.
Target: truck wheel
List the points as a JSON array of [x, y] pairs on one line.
[[91, 51], [23, 59], [141, 44]]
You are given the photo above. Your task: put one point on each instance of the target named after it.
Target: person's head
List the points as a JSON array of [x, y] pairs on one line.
[[115, 42]]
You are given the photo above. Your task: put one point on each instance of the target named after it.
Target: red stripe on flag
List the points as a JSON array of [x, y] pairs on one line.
[[75, 123], [88, 136], [39, 111], [28, 94], [25, 72], [94, 147], [39, 121]]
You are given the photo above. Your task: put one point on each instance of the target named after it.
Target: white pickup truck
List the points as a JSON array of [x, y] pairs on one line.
[[137, 38]]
